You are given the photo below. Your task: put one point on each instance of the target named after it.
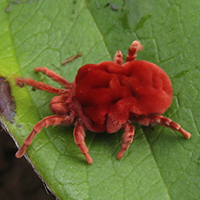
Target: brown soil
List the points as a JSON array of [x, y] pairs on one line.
[[18, 181]]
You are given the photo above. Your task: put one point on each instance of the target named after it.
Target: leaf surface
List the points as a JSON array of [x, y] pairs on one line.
[[160, 163]]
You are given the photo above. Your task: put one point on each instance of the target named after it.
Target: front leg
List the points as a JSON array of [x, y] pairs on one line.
[[79, 138], [39, 85], [56, 77], [45, 122], [127, 139]]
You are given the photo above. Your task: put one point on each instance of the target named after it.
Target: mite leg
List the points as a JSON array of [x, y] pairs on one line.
[[47, 121], [118, 58], [127, 139], [163, 121], [39, 85], [54, 76], [133, 49], [79, 138]]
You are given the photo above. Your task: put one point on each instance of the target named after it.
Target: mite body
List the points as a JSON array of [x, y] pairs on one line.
[[107, 96]]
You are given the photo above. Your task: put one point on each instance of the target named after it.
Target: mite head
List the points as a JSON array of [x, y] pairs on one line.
[[60, 104]]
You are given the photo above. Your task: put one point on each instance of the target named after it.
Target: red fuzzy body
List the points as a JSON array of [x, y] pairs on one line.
[[110, 93], [106, 97]]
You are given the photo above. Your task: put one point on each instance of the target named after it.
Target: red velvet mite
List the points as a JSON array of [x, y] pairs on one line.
[[107, 96]]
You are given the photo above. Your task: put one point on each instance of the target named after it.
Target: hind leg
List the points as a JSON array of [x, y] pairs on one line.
[[167, 122], [118, 58], [133, 49], [127, 139], [79, 138]]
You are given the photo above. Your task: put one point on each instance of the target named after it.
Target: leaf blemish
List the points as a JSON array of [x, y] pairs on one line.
[[113, 6], [7, 104], [142, 21], [10, 5]]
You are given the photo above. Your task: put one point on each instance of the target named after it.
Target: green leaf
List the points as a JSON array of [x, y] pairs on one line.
[[160, 164]]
